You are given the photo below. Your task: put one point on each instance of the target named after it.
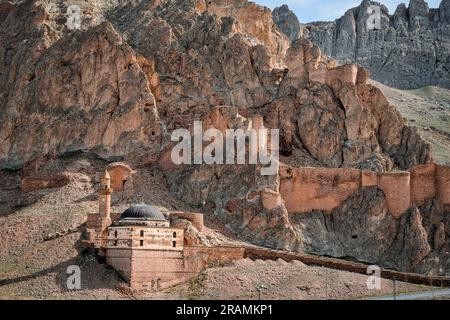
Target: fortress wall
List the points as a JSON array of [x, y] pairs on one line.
[[423, 183], [307, 189], [33, 183], [396, 188], [443, 184], [369, 178]]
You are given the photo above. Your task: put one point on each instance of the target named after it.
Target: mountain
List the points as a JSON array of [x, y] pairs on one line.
[[407, 50], [355, 178]]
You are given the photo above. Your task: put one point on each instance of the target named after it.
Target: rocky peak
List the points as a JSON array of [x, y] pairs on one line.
[[409, 49], [418, 8], [287, 21], [444, 11]]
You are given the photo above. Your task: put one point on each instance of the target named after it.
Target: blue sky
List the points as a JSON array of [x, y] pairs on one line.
[[315, 10]]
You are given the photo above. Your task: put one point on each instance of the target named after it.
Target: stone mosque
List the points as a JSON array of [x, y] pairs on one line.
[[141, 244]]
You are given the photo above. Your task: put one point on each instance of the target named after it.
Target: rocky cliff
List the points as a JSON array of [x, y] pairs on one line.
[[287, 22], [407, 49], [117, 86]]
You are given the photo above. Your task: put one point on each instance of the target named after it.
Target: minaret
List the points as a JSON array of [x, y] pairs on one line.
[[105, 196], [104, 209]]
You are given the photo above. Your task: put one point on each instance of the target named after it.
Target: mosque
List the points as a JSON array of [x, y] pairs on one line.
[[140, 243]]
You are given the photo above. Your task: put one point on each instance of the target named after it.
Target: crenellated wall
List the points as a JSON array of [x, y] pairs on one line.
[[307, 189]]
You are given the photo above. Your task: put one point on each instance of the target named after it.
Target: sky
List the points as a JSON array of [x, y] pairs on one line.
[[328, 10]]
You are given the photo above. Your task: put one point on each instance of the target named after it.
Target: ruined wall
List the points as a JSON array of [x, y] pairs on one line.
[[443, 185], [308, 189], [120, 173], [195, 218]]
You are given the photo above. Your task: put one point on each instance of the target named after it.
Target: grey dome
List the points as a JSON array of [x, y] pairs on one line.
[[143, 211]]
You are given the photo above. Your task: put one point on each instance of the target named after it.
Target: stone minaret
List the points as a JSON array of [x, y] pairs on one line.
[[104, 210], [105, 196]]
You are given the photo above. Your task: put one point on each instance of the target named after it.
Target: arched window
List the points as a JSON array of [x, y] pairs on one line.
[[174, 234], [142, 233]]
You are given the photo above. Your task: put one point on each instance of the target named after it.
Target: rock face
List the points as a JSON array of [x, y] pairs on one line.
[[137, 70], [85, 91], [121, 98], [287, 21], [407, 50]]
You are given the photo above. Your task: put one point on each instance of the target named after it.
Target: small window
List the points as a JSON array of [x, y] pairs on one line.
[[142, 243], [115, 234], [142, 233], [174, 244], [115, 243], [174, 234]]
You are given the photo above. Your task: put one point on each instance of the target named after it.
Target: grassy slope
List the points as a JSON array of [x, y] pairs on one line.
[[427, 108]]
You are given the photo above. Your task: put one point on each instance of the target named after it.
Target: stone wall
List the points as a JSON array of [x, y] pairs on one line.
[[144, 238], [397, 191], [33, 183], [423, 183], [443, 185], [166, 267], [120, 173], [255, 253], [308, 189], [195, 218], [159, 269]]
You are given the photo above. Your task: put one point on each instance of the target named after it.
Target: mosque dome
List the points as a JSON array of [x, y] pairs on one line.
[[144, 212]]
